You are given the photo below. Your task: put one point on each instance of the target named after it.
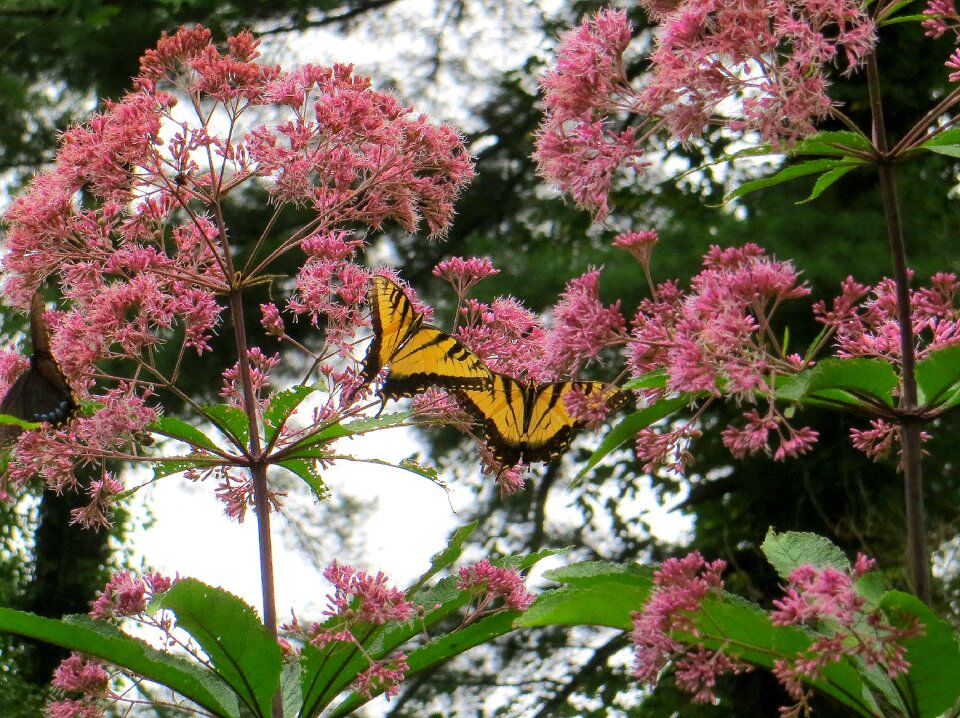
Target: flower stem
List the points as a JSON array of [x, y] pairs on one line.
[[910, 462], [258, 471]]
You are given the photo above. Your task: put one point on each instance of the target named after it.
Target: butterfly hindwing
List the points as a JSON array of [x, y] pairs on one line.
[[418, 355], [41, 393], [528, 422]]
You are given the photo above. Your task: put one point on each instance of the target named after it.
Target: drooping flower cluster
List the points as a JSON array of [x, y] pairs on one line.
[[826, 600], [757, 66], [679, 589]]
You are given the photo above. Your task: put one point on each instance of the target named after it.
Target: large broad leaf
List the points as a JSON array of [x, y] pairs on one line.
[[595, 593], [240, 647], [932, 683], [789, 550], [938, 375], [103, 640], [178, 429], [842, 382]]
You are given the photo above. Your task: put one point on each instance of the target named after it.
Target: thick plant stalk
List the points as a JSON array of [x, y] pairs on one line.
[[910, 462], [258, 470]]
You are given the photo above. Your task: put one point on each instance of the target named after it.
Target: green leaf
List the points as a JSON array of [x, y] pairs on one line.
[[282, 404], [445, 557], [656, 379], [937, 373], [242, 651], [948, 150], [232, 420], [790, 172], [103, 640], [838, 143], [169, 467], [175, 428], [630, 426], [739, 628], [14, 421], [306, 469], [786, 551], [596, 593], [947, 137], [442, 649], [846, 382], [365, 425], [931, 684], [825, 180]]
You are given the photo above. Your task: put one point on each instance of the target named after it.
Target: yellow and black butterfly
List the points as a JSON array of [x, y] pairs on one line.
[[41, 393], [417, 355], [529, 422]]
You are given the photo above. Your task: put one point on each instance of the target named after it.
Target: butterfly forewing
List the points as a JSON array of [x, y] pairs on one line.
[[41, 393], [418, 355]]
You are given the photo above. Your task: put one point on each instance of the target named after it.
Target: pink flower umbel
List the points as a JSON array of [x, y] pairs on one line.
[[490, 583], [826, 600], [133, 222], [582, 327], [756, 66], [679, 588], [463, 274]]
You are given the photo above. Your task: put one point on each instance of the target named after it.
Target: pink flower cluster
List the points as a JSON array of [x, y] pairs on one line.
[[132, 222], [826, 600], [679, 588], [718, 339], [488, 583], [940, 16], [864, 318], [83, 675], [127, 595], [757, 66], [463, 274], [360, 601]]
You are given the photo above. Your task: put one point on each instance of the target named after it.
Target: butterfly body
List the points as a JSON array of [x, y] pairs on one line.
[[417, 355], [41, 393], [529, 421]]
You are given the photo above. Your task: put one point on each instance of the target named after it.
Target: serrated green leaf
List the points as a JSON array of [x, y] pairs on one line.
[[14, 421], [838, 142], [282, 404], [937, 373], [440, 650], [825, 180], [627, 429], [169, 467], [786, 551], [232, 420], [175, 428], [842, 382], [242, 651], [596, 593], [947, 137], [105, 641], [306, 469], [787, 174], [934, 658]]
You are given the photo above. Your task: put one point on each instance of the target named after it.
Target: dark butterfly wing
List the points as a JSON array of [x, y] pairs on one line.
[[41, 393]]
